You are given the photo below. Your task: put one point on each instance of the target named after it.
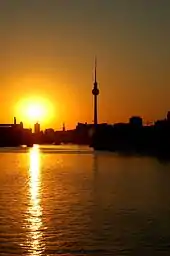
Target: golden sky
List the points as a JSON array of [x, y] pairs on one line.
[[47, 51]]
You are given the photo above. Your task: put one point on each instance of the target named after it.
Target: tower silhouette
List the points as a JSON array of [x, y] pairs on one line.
[[95, 92]]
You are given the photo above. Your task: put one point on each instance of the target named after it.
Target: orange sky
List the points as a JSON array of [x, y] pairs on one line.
[[47, 50]]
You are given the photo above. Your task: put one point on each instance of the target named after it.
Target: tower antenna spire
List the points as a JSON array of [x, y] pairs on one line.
[[95, 63]]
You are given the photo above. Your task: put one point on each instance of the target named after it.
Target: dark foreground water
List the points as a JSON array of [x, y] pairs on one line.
[[70, 201]]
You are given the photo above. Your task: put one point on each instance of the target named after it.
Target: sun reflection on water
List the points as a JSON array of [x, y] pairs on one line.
[[35, 210]]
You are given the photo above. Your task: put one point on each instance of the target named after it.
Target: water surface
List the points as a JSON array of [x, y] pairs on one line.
[[68, 200]]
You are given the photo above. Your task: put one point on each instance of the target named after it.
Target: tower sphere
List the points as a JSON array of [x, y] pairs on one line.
[[95, 91]]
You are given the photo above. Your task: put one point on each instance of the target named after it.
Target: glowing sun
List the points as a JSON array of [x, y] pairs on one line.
[[34, 110]]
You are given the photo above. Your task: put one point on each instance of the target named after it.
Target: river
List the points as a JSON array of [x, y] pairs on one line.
[[68, 200]]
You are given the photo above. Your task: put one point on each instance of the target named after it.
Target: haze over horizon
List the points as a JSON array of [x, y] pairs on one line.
[[47, 50]]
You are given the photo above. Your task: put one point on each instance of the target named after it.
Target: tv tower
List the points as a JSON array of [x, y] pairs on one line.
[[95, 92]]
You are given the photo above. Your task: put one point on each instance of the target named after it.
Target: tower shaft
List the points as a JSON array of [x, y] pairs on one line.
[[95, 111]]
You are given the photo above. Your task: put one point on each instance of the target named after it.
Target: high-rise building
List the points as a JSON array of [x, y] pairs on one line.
[[95, 92], [64, 128], [37, 128], [15, 121]]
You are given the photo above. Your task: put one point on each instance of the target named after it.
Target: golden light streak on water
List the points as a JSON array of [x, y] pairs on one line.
[[35, 210]]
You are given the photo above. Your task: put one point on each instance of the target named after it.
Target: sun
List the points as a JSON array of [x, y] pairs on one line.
[[34, 109]]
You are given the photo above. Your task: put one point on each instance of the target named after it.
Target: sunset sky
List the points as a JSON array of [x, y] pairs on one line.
[[47, 50]]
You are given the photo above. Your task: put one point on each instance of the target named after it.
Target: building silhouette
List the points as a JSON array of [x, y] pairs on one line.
[[64, 127], [168, 116], [37, 128], [13, 125], [95, 93], [14, 134], [136, 121]]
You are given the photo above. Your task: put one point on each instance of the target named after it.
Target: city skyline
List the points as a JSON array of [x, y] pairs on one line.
[[47, 50]]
